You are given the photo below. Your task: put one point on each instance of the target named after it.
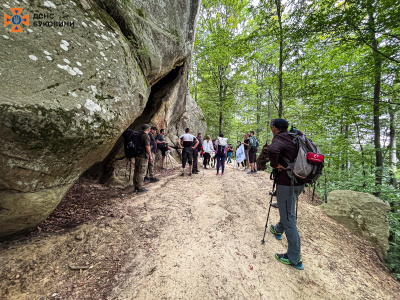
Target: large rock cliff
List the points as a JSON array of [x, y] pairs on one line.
[[67, 93]]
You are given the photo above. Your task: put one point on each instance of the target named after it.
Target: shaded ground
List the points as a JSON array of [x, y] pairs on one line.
[[188, 238]]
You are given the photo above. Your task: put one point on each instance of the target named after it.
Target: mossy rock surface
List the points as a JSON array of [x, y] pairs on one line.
[[68, 93], [362, 213]]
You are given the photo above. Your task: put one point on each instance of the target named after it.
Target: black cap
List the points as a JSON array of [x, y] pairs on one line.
[[280, 123]]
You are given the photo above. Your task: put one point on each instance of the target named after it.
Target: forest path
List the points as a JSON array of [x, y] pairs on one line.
[[196, 237]]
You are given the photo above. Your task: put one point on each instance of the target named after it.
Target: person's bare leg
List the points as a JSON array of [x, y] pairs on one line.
[[163, 162]]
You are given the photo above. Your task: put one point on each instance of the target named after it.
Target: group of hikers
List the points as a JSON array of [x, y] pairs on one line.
[[217, 149], [281, 152], [192, 147]]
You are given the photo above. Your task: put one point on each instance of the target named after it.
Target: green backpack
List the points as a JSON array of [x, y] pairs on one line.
[[253, 143]]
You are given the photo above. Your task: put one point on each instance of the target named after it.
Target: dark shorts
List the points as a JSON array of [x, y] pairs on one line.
[[187, 155], [252, 156], [163, 150]]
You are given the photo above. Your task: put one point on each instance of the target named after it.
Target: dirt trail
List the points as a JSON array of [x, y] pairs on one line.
[[194, 238]]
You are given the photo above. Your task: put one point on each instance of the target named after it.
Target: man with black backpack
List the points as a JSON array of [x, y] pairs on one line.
[[142, 160], [253, 144], [281, 150], [153, 146]]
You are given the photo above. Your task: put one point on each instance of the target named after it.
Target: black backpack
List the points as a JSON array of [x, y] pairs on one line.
[[221, 150], [133, 144]]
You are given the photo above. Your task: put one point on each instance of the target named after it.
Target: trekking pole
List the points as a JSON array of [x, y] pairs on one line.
[[326, 196], [269, 208]]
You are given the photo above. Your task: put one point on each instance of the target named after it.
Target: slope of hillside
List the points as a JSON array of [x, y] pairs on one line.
[[192, 238]]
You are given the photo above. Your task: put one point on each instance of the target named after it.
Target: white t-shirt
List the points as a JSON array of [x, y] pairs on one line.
[[208, 146], [187, 139]]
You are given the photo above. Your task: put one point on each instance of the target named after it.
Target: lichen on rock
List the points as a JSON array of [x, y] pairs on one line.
[[69, 92]]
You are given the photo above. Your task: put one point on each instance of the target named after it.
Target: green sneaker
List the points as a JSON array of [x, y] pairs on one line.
[[285, 260], [277, 235]]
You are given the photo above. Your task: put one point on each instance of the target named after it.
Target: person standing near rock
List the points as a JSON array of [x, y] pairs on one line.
[[153, 146], [196, 154], [187, 153], [281, 148], [142, 160], [162, 145]]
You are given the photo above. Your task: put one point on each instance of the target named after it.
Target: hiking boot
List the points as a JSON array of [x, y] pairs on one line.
[[146, 178], [277, 235], [251, 172], [153, 179], [283, 258], [190, 174], [183, 173], [222, 174], [275, 205], [142, 190], [217, 174]]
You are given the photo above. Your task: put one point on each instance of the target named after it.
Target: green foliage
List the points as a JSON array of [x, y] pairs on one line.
[[329, 75]]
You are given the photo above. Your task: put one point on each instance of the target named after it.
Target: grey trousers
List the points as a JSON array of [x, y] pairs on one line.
[[287, 223]]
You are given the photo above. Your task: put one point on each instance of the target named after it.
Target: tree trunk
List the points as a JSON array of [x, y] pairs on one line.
[[258, 129], [221, 99], [362, 156], [280, 93], [392, 146], [377, 89]]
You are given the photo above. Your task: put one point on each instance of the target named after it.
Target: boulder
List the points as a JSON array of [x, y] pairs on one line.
[[68, 93], [364, 214], [263, 158]]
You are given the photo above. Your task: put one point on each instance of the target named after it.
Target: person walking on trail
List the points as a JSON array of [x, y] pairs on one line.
[[196, 150], [221, 147], [153, 147], [253, 144], [188, 147], [246, 152], [207, 148], [163, 146], [229, 153], [281, 149], [142, 160]]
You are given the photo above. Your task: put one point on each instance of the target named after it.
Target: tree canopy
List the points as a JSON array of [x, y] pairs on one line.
[[331, 68]]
